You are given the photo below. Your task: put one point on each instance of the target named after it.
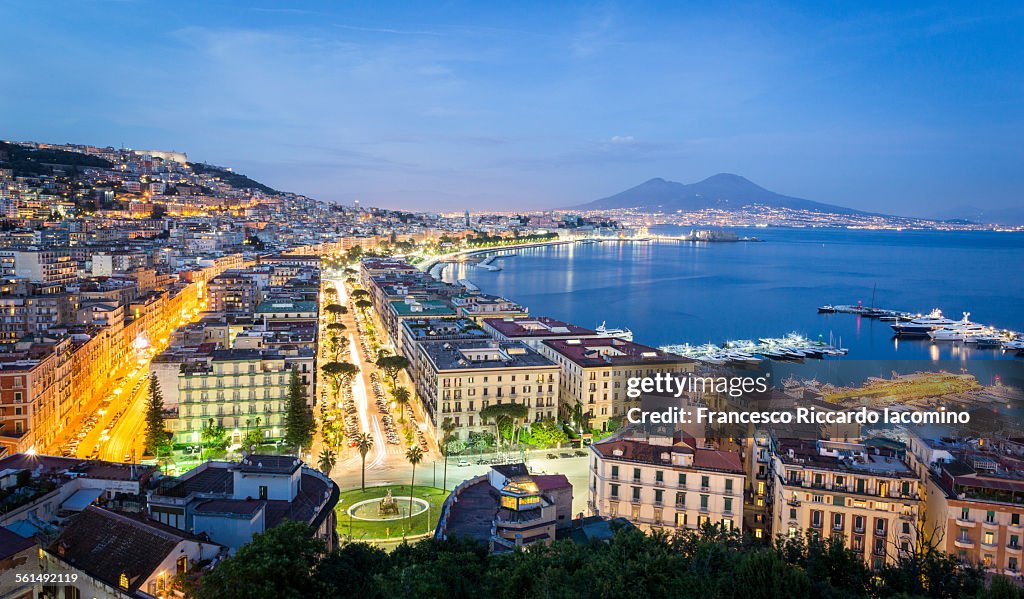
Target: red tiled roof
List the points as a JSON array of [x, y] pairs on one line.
[[712, 459], [586, 352], [551, 482]]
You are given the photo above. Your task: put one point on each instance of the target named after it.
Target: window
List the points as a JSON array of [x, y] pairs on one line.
[[682, 479], [965, 514], [727, 508], [636, 474], [659, 477], [615, 472], [705, 482], [680, 499], [615, 491], [816, 518], [990, 538], [704, 502], [1014, 541], [658, 496], [1015, 519], [680, 519], [728, 485], [990, 516], [879, 526], [636, 493], [837, 521], [263, 492]]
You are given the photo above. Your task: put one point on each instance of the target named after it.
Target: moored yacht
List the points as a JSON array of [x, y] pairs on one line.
[[604, 331], [961, 331], [922, 325]]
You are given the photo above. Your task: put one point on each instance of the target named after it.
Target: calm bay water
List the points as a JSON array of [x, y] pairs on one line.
[[670, 292]]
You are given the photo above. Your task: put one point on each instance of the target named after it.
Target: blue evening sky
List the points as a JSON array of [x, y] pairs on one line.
[[899, 107]]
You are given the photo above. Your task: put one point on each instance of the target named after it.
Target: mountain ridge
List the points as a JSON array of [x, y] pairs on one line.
[[724, 191]]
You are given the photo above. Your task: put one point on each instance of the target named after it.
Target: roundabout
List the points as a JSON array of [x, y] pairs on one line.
[[381, 515], [373, 510]]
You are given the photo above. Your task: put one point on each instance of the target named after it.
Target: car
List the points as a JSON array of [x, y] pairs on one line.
[[552, 456], [462, 462]]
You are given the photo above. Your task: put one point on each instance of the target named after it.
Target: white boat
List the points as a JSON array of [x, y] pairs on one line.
[[604, 331], [922, 325], [961, 331]]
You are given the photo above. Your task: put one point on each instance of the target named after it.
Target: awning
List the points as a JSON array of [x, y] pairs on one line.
[[82, 499]]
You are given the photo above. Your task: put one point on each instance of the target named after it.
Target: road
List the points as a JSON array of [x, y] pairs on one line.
[[430, 472]]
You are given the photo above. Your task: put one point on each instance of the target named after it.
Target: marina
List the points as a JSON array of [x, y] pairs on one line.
[[937, 327], [792, 347]]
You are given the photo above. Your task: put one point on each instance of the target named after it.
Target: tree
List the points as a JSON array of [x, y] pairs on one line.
[[402, 396], [415, 455], [336, 311], [277, 563], [364, 443], [327, 461], [254, 436], [547, 433], [363, 305], [359, 294], [392, 365], [333, 370], [505, 412], [213, 435], [447, 426], [298, 421], [156, 431]]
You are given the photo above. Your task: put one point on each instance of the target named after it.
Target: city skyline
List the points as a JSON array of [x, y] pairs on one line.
[[901, 112]]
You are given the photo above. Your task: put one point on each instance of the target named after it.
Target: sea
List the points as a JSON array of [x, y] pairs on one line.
[[673, 292]]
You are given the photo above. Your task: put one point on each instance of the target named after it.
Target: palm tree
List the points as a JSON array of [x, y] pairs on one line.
[[447, 426], [364, 443], [327, 460], [402, 397], [415, 456]]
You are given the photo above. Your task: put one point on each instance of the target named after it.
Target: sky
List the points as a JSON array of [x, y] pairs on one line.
[[903, 108]]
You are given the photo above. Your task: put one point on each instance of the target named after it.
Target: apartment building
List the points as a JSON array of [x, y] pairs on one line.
[[974, 509], [595, 373], [28, 308], [35, 393], [662, 483], [240, 389], [412, 309], [39, 265], [460, 378], [861, 493], [534, 330], [479, 306]]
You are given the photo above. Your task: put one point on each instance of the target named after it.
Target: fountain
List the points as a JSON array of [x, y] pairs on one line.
[[388, 505]]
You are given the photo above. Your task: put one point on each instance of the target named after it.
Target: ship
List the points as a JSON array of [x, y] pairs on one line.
[[922, 325], [623, 333]]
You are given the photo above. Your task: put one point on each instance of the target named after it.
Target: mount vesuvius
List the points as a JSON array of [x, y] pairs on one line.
[[723, 191]]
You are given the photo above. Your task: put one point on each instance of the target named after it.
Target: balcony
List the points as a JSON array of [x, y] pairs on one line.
[[990, 546], [990, 524], [965, 522], [963, 543], [1011, 548], [659, 483]]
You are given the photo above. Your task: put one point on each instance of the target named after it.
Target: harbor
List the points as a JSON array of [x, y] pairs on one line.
[[937, 328], [792, 347]]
